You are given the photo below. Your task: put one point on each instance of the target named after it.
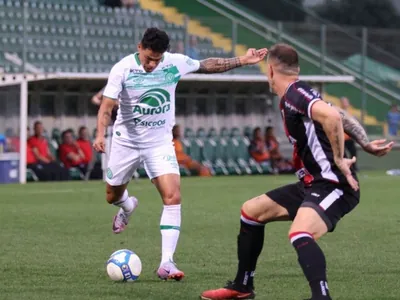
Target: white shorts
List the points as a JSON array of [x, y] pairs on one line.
[[124, 161]]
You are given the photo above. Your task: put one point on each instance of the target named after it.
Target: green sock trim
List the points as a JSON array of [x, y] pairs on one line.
[[168, 227]]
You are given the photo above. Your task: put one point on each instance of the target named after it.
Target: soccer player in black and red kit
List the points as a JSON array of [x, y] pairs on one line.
[[327, 189]]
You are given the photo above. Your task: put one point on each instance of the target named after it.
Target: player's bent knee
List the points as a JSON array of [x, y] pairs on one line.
[[114, 194], [111, 197], [264, 209], [308, 220], [172, 197]]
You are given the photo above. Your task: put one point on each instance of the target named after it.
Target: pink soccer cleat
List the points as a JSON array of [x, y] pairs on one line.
[[169, 270], [121, 219]]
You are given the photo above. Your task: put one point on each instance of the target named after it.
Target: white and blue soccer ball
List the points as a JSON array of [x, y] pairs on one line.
[[124, 265]]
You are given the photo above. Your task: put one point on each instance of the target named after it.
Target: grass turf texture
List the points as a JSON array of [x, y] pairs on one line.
[[56, 237]]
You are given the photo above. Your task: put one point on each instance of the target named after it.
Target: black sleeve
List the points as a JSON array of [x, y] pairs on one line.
[[303, 98]]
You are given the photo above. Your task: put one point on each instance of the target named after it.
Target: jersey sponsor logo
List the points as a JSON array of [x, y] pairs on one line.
[[293, 108], [315, 93], [164, 77], [152, 124], [153, 102], [135, 71], [305, 93]]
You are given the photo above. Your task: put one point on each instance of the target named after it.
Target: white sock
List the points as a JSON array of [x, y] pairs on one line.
[[126, 202], [170, 226]]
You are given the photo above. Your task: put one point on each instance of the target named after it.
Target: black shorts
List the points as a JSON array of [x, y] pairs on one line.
[[330, 200]]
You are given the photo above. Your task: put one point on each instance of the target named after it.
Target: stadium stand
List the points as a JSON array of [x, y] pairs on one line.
[[80, 36], [224, 152], [376, 109]]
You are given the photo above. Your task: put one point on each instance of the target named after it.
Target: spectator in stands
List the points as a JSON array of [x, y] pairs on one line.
[[193, 51], [272, 143], [179, 47], [349, 144], [184, 159], [128, 3], [279, 163], [393, 120], [71, 153], [258, 149], [43, 159], [94, 167]]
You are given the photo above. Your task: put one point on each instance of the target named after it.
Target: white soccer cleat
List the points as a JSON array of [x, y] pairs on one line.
[[169, 270], [121, 219]]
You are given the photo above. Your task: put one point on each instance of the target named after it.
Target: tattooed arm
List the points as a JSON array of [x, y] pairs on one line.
[[104, 115], [220, 65], [103, 120], [355, 130]]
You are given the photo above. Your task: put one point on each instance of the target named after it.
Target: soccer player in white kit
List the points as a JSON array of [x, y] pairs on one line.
[[145, 83]]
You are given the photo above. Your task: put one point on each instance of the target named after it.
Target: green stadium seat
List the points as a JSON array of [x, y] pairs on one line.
[[212, 133], [142, 172], [201, 134], [248, 132], [76, 174], [210, 159], [56, 135], [224, 132], [31, 176]]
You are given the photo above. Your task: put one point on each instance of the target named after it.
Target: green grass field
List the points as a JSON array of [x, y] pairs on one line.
[[56, 237]]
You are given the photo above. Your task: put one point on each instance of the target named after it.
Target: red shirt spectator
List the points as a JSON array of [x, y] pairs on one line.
[[85, 144], [70, 153], [30, 157], [39, 145], [258, 149], [66, 152]]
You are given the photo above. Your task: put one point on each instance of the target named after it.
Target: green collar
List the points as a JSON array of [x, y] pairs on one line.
[[136, 55]]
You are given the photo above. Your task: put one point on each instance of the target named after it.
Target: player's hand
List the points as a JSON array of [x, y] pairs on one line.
[[344, 165], [99, 144], [254, 56], [378, 147]]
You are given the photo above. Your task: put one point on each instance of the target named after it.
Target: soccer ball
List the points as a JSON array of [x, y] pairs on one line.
[[124, 265]]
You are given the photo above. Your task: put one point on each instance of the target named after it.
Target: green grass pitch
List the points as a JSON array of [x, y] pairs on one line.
[[56, 237]]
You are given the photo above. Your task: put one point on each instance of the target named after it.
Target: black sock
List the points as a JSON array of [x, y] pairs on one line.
[[312, 261], [250, 244]]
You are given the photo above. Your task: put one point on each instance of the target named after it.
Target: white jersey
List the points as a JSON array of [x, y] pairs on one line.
[[146, 111]]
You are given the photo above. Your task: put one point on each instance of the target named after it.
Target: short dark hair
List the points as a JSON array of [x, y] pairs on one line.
[[65, 132], [37, 123], [155, 39], [81, 128], [255, 130], [286, 56]]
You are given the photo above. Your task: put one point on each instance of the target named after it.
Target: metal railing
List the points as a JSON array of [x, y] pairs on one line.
[[316, 55]]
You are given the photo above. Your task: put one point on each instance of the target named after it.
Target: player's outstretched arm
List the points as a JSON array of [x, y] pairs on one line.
[[356, 131], [220, 65]]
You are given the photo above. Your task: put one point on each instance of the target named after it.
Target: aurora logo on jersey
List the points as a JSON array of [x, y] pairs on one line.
[[153, 102]]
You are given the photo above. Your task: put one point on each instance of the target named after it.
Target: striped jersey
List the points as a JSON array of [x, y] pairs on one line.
[[312, 151]]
